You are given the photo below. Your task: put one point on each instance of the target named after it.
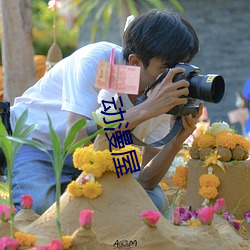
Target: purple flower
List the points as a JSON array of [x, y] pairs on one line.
[[228, 216], [236, 224], [248, 216], [195, 214]]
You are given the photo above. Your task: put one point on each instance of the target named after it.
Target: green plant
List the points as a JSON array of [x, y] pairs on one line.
[[10, 148], [102, 11], [60, 152], [42, 19]]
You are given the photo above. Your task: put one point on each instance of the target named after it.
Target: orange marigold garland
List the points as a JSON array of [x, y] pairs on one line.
[[180, 177], [208, 186]]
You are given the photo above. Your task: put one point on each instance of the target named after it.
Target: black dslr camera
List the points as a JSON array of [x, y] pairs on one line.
[[209, 88]]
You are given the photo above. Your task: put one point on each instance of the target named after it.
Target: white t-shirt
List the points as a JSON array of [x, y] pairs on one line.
[[69, 86]]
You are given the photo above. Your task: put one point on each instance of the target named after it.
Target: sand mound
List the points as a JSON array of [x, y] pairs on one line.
[[117, 223]]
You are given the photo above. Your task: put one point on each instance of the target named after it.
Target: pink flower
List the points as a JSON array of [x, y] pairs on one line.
[[219, 206], [5, 212], [26, 201], [86, 218], [150, 217], [206, 215], [8, 243], [176, 217], [55, 245], [84, 180], [54, 4]]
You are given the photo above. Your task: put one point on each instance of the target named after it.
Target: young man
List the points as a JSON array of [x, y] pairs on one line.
[[154, 41]]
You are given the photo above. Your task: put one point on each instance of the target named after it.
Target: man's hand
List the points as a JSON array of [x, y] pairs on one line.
[[167, 94]]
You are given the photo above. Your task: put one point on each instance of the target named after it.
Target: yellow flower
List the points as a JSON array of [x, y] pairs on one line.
[[92, 189], [27, 240], [164, 186], [242, 141], [208, 192], [226, 140], [180, 177], [93, 169], [103, 159], [82, 156], [206, 141], [75, 189], [193, 223], [209, 180], [67, 242]]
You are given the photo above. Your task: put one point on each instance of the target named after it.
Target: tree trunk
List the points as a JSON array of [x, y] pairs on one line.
[[17, 47]]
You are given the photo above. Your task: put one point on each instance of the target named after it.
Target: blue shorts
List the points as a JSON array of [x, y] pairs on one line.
[[157, 195]]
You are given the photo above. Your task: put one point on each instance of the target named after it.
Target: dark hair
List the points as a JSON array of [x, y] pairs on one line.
[[159, 33]]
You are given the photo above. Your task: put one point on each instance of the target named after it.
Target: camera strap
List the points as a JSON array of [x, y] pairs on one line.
[[173, 132]]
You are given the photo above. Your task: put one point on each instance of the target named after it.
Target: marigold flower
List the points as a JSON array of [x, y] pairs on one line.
[[150, 217], [226, 140], [164, 186], [93, 169], [67, 242], [206, 141], [26, 201], [242, 141], [206, 215], [75, 189], [86, 218], [92, 189], [208, 192], [219, 206], [8, 243], [83, 156], [209, 180], [24, 239], [180, 177]]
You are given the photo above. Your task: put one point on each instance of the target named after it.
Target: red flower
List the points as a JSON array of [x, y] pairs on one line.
[[86, 218], [26, 201], [8, 243], [150, 217], [206, 215]]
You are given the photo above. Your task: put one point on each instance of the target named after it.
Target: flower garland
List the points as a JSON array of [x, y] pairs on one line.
[[208, 186], [180, 177], [94, 164]]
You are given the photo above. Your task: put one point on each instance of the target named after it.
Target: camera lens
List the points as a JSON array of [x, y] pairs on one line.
[[209, 88]]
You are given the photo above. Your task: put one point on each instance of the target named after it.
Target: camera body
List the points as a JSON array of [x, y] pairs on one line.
[[209, 88]]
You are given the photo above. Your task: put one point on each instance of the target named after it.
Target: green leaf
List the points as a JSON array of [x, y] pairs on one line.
[[32, 143], [56, 147], [24, 134], [172, 207], [71, 136], [20, 123]]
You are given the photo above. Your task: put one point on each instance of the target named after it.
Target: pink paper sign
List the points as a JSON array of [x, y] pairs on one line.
[[122, 78]]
